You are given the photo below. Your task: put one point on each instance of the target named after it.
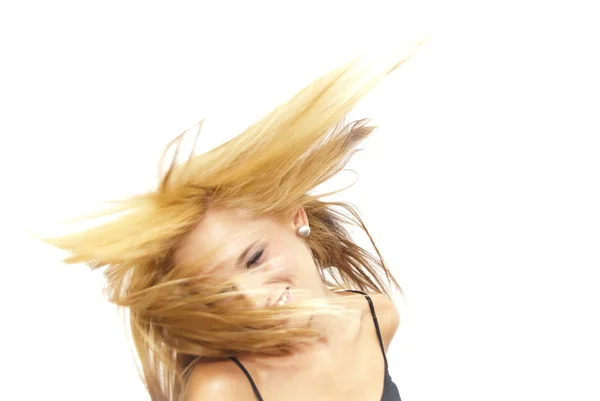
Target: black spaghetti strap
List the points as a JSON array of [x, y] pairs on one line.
[[256, 392], [372, 307]]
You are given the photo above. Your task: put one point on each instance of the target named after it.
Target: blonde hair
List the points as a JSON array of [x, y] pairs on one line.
[[269, 170]]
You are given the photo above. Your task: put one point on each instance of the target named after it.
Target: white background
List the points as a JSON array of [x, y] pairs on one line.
[[480, 187]]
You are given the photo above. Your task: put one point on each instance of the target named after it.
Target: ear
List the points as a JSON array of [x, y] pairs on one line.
[[300, 218]]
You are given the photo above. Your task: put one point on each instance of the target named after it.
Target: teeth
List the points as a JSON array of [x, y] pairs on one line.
[[283, 299]]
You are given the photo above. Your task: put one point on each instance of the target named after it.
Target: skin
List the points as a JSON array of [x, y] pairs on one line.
[[278, 260]]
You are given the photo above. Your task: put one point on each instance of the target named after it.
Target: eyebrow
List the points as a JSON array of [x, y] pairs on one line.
[[243, 254]]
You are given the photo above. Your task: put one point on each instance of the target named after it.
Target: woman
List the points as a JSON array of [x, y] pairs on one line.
[[238, 279]]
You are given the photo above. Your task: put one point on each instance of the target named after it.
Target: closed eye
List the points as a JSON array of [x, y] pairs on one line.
[[254, 259]]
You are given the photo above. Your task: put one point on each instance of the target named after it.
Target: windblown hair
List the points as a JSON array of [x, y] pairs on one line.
[[270, 169]]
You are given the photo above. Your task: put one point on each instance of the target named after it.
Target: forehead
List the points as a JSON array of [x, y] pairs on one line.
[[227, 230]]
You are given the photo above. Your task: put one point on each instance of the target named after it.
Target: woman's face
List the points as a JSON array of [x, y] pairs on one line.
[[279, 264]]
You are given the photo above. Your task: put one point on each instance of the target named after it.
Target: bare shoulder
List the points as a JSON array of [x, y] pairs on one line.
[[387, 316], [217, 380]]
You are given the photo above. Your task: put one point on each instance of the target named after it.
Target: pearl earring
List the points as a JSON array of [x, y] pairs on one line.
[[303, 231]]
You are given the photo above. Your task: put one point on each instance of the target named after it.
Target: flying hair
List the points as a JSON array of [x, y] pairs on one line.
[[177, 315]]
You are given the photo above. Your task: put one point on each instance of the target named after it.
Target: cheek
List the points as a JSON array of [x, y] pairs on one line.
[[292, 264], [289, 257], [281, 265]]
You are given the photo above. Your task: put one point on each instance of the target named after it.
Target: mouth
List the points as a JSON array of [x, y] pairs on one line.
[[284, 298]]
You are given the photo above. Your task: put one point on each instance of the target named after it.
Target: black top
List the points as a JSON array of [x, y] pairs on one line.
[[390, 391]]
